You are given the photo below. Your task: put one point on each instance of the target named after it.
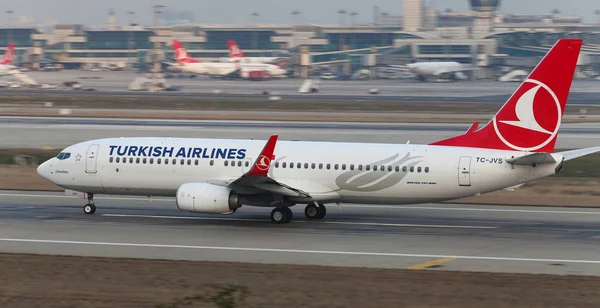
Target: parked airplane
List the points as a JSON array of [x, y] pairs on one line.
[[440, 70], [221, 175], [7, 68], [236, 55], [223, 69]]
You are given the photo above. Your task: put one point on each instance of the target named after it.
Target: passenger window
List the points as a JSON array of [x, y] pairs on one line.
[[118, 159], [352, 167], [368, 167], [110, 160], [298, 165], [212, 162], [226, 163], [239, 163], [182, 161], [151, 160], [320, 166], [328, 166], [426, 169], [174, 161], [137, 160], [189, 162], [360, 167], [166, 161], [196, 162], [124, 160], [305, 165], [283, 165], [335, 166], [390, 168], [131, 160], [233, 163], [418, 169], [404, 169], [276, 164], [344, 167], [313, 166], [158, 161], [144, 161], [291, 165], [382, 168], [397, 168], [374, 168], [247, 164], [412, 169]]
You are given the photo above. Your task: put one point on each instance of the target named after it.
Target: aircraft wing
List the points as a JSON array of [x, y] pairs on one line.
[[451, 71], [23, 78], [258, 179]]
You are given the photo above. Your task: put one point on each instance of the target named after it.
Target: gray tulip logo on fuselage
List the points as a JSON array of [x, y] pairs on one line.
[[374, 180]]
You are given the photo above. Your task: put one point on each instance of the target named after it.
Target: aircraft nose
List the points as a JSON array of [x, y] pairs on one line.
[[45, 169]]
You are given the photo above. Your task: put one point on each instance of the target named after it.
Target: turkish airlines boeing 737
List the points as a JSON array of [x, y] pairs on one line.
[[220, 175]]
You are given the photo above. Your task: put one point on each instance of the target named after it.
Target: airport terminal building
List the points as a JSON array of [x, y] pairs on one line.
[[481, 37]]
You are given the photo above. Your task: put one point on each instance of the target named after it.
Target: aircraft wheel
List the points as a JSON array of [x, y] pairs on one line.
[[89, 209], [322, 211], [311, 211], [281, 215]]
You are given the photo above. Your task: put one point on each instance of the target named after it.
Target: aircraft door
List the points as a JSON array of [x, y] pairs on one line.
[[92, 159], [464, 171]]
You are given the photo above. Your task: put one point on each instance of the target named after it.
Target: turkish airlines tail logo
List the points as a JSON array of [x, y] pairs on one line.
[[181, 55], [529, 121], [234, 50], [9, 54], [263, 163]]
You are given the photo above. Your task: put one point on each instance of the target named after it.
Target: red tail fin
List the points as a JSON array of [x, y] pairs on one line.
[[181, 55], [263, 162], [9, 54], [234, 50], [530, 119]]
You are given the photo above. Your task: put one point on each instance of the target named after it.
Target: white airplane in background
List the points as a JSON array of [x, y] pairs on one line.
[[225, 69], [236, 55], [220, 175], [440, 70], [7, 68]]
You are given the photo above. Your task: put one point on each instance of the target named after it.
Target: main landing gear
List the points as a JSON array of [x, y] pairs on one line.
[[90, 208], [281, 215], [315, 211]]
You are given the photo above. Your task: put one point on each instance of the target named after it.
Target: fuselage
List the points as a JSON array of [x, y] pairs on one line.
[[227, 68], [433, 68], [329, 172]]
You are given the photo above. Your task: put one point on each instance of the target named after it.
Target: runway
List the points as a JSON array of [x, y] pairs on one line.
[[35, 132], [446, 237], [583, 92]]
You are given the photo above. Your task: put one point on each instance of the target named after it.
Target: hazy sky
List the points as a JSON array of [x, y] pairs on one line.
[[271, 11]]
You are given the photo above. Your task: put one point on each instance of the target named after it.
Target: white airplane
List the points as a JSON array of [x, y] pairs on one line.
[[224, 69], [441, 70], [220, 175], [236, 55]]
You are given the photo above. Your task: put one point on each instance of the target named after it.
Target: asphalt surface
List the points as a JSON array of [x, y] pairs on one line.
[[30, 132], [454, 237], [583, 92]]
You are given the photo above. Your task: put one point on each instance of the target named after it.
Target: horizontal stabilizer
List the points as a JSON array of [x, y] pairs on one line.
[[568, 155], [530, 159]]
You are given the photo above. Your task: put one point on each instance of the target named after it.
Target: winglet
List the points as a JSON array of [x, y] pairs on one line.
[[473, 128], [263, 163]]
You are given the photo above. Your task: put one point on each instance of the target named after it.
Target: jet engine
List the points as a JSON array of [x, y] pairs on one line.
[[206, 198]]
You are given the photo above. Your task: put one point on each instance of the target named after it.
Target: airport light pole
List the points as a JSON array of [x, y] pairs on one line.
[[8, 30], [255, 16], [131, 15], [353, 18], [294, 13], [342, 13], [597, 12]]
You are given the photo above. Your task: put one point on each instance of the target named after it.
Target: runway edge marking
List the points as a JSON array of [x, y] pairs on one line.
[[325, 252]]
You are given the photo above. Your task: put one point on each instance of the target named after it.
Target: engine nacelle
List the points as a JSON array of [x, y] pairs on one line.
[[206, 198]]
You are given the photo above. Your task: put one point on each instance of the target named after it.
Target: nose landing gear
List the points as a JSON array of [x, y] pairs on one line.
[[90, 208]]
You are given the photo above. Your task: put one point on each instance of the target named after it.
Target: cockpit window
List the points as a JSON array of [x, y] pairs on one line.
[[63, 155]]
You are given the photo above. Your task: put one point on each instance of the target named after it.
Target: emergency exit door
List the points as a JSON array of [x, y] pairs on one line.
[[464, 171], [92, 159]]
